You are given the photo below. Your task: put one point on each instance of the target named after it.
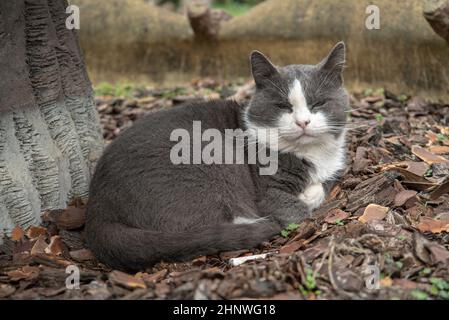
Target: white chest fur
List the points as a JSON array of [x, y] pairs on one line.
[[327, 157]]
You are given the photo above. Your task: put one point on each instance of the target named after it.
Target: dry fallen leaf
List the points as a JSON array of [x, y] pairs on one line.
[[199, 261], [442, 216], [292, 247], [427, 224], [55, 247], [212, 270], [70, 218], [26, 272], [439, 191], [82, 255], [6, 290], [304, 231], [405, 284], [34, 232], [438, 253], [427, 156], [126, 280], [439, 149], [418, 168], [402, 197], [17, 234], [432, 136], [39, 246], [411, 171], [428, 251], [335, 191], [416, 104], [360, 160], [336, 215], [383, 228], [373, 212], [155, 277], [419, 247], [386, 282], [51, 260], [419, 186], [444, 130]]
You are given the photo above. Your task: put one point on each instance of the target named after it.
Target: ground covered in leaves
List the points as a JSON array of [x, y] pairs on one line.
[[387, 219]]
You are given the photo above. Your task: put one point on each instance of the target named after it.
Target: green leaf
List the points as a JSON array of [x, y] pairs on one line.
[[425, 271], [302, 290], [402, 98], [419, 295], [439, 283], [434, 291], [388, 258], [379, 117], [292, 227], [339, 222], [234, 8], [310, 282], [104, 89], [380, 92], [367, 92], [441, 137], [121, 89], [171, 94], [285, 233], [444, 295]]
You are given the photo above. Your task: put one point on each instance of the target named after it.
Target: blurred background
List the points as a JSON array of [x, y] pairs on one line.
[[173, 42]]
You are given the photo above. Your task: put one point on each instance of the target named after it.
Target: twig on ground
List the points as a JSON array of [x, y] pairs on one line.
[[238, 261]]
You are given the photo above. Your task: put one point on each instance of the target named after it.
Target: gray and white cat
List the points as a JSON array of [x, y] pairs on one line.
[[143, 208]]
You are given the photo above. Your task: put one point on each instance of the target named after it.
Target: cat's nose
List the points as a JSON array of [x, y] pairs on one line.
[[302, 123]]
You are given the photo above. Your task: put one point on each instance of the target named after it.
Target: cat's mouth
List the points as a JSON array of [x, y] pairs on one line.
[[301, 136], [307, 134]]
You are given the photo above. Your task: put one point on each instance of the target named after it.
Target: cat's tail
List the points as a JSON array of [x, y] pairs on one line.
[[126, 248]]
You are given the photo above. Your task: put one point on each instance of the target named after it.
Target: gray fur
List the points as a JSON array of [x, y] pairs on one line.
[[143, 209]]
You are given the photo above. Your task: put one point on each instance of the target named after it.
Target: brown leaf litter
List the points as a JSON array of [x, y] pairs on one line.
[[389, 211]]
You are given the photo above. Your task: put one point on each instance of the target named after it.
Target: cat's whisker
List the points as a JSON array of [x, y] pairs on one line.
[[352, 125]]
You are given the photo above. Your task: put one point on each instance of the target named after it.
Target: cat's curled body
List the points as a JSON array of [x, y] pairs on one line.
[[143, 208]]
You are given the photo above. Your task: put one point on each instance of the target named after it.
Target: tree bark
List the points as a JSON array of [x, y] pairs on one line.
[[50, 135], [206, 22], [437, 14]]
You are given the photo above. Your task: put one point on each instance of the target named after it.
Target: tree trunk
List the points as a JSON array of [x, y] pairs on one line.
[[437, 14], [50, 135], [206, 22]]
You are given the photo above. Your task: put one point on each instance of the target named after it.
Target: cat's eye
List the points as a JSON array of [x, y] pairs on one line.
[[284, 106], [319, 104]]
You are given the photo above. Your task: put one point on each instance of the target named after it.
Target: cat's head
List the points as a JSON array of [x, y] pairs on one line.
[[306, 103]]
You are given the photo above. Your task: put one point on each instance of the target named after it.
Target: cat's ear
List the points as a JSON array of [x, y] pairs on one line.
[[262, 68], [335, 62]]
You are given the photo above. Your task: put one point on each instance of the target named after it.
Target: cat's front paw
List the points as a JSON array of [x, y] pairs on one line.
[[313, 196]]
